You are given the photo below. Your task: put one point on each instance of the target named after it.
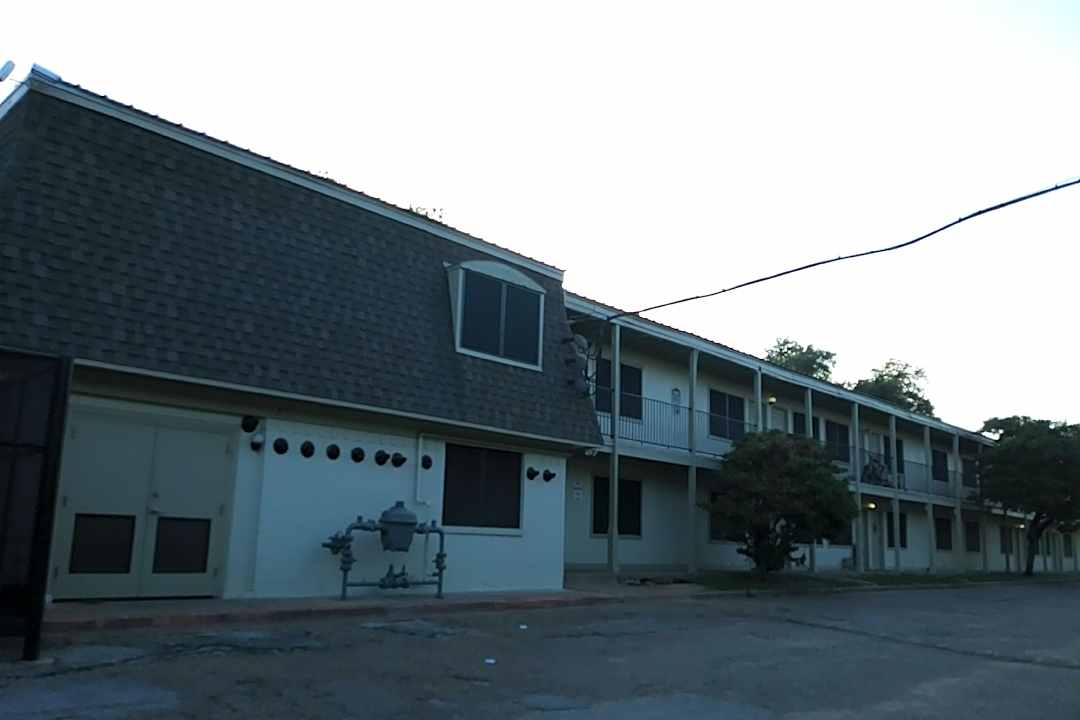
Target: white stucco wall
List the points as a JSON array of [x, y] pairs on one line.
[[663, 539], [304, 500]]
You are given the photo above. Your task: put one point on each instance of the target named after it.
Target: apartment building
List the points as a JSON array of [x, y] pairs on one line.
[[260, 355], [683, 400]]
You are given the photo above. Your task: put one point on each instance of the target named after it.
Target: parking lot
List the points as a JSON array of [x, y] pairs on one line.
[[983, 652]]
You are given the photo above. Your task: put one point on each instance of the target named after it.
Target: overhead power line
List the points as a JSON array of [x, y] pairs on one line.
[[954, 223]]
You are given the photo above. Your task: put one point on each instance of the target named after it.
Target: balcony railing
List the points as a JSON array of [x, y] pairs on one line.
[[661, 424], [655, 423]]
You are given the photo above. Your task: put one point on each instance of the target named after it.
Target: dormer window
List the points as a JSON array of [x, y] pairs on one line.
[[498, 313]]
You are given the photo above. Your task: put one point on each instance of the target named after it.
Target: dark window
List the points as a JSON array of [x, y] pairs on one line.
[[717, 531], [1005, 539], [630, 380], [482, 488], [498, 318], [727, 415], [836, 441], [798, 424], [899, 454], [102, 544], [1067, 545], [970, 470], [940, 465], [972, 536], [182, 545], [629, 506], [943, 533], [903, 530], [842, 536]]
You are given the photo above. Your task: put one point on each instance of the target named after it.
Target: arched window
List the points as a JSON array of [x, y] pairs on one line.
[[498, 313]]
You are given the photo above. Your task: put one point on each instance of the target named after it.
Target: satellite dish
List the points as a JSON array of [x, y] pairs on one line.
[[5, 70]]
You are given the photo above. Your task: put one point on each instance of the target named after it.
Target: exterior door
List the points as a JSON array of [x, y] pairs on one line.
[[101, 511], [142, 508], [185, 515]]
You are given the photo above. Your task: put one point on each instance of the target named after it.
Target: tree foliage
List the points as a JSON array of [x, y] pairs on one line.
[[777, 490], [900, 384], [1034, 468], [805, 359]]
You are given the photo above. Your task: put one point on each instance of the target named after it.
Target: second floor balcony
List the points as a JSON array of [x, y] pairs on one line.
[[649, 423]]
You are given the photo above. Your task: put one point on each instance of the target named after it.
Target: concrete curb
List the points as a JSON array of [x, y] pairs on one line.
[[880, 588], [261, 615]]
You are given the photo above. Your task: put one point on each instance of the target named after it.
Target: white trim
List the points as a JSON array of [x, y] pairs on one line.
[[502, 272], [77, 96], [10, 101], [267, 392], [679, 337], [496, 358]]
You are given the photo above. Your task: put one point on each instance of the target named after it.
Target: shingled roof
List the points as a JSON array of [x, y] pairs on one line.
[[129, 245]]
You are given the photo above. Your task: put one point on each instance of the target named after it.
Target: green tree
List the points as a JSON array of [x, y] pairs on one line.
[[777, 490], [805, 359], [900, 384], [1034, 468]]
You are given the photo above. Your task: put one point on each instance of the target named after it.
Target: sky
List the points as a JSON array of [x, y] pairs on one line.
[[655, 151]]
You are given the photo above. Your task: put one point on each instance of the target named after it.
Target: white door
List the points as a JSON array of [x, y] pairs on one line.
[[142, 508], [185, 514], [101, 510]]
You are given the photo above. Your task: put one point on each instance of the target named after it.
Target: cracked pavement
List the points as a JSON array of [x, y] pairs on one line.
[[982, 652]]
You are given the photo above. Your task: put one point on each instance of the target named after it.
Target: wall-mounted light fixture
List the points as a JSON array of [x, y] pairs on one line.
[[397, 460], [548, 476], [772, 399], [425, 462], [381, 456], [532, 473], [871, 505]]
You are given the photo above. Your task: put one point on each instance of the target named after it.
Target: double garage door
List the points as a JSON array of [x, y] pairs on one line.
[[143, 506]]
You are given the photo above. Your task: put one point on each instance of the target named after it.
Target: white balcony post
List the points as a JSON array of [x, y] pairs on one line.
[[613, 471], [928, 455], [1006, 531], [759, 400], [984, 517], [959, 531], [691, 473], [958, 465], [893, 465], [862, 539], [808, 428]]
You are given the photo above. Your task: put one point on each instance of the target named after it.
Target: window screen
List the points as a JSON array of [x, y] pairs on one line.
[[940, 465], [972, 539], [102, 544], [482, 487], [1067, 545], [630, 403], [943, 533], [182, 545], [891, 530], [629, 506], [836, 441], [501, 319], [727, 415]]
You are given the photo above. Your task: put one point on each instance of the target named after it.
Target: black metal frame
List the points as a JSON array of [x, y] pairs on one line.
[[33, 610]]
